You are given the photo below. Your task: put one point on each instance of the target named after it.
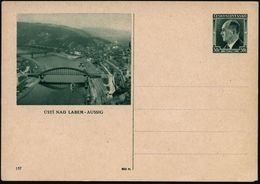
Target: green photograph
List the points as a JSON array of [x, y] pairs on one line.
[[74, 59]]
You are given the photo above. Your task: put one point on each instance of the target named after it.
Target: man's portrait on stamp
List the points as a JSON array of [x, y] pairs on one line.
[[229, 33]]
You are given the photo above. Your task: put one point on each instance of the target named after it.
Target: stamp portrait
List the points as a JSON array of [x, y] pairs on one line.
[[230, 33]]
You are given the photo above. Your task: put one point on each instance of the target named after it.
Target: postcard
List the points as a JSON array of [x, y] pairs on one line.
[[129, 91]]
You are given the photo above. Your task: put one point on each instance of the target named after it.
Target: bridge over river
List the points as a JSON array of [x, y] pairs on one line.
[[64, 75]]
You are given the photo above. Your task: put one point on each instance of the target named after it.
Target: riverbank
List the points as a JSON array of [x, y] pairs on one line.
[[30, 84]]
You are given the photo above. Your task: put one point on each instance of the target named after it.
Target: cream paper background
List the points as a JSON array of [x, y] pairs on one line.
[[195, 111]]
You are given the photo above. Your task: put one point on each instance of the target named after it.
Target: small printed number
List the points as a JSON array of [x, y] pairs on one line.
[[18, 168], [126, 168]]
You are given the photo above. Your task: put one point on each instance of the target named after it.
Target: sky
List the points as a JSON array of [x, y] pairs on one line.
[[97, 20]]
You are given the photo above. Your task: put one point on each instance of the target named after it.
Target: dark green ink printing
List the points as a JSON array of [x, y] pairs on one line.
[[230, 33], [74, 59]]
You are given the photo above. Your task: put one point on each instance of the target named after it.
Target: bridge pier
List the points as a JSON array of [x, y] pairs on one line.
[[41, 78]]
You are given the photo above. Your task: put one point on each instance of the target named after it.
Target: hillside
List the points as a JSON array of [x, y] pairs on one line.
[[123, 37], [55, 36]]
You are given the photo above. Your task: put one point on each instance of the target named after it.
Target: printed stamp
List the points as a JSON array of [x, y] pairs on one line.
[[230, 33]]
